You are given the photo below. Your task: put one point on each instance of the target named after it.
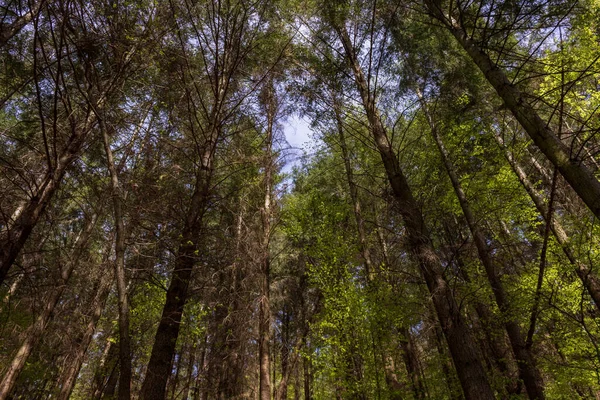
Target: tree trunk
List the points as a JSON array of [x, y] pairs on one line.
[[307, 378], [99, 381], [7, 31], [15, 234], [159, 366], [68, 377], [528, 371], [264, 312], [581, 179], [356, 207], [161, 358], [123, 302], [449, 376], [588, 278], [390, 374], [464, 351], [189, 371], [411, 362], [35, 331]]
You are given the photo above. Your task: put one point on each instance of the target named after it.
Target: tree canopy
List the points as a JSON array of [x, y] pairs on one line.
[[160, 239]]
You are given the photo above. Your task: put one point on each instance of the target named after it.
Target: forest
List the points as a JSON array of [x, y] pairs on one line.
[[437, 238]]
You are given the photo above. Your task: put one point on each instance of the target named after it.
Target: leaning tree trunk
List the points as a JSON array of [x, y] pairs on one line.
[[16, 233], [581, 179], [123, 302], [68, 377], [588, 278], [496, 343], [463, 349], [528, 371], [8, 31], [390, 375], [35, 331]]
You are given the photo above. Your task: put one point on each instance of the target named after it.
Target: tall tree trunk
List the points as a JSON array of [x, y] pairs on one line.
[[412, 363], [449, 376], [14, 235], [123, 302], [159, 366], [161, 357], [588, 278], [390, 374], [464, 351], [174, 380], [495, 339], [190, 368], [564, 193], [99, 380], [36, 330], [264, 313], [282, 389], [409, 352], [68, 377], [306, 365], [528, 371], [581, 179]]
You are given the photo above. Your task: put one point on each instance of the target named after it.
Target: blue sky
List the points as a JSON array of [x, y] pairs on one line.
[[299, 137]]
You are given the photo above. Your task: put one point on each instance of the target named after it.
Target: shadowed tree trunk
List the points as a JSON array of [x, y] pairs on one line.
[[271, 105], [68, 377], [528, 371], [465, 354], [581, 179], [159, 367], [588, 278], [123, 302], [34, 332]]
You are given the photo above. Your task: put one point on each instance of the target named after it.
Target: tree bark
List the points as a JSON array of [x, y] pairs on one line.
[[123, 301], [465, 355], [35, 331], [412, 363], [588, 278], [159, 366], [10, 30], [68, 377], [581, 179], [161, 358], [528, 371], [264, 313], [14, 236]]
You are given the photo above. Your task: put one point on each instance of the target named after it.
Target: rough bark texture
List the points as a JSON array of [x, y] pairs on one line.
[[411, 362], [464, 351], [159, 367], [10, 30], [528, 371]]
